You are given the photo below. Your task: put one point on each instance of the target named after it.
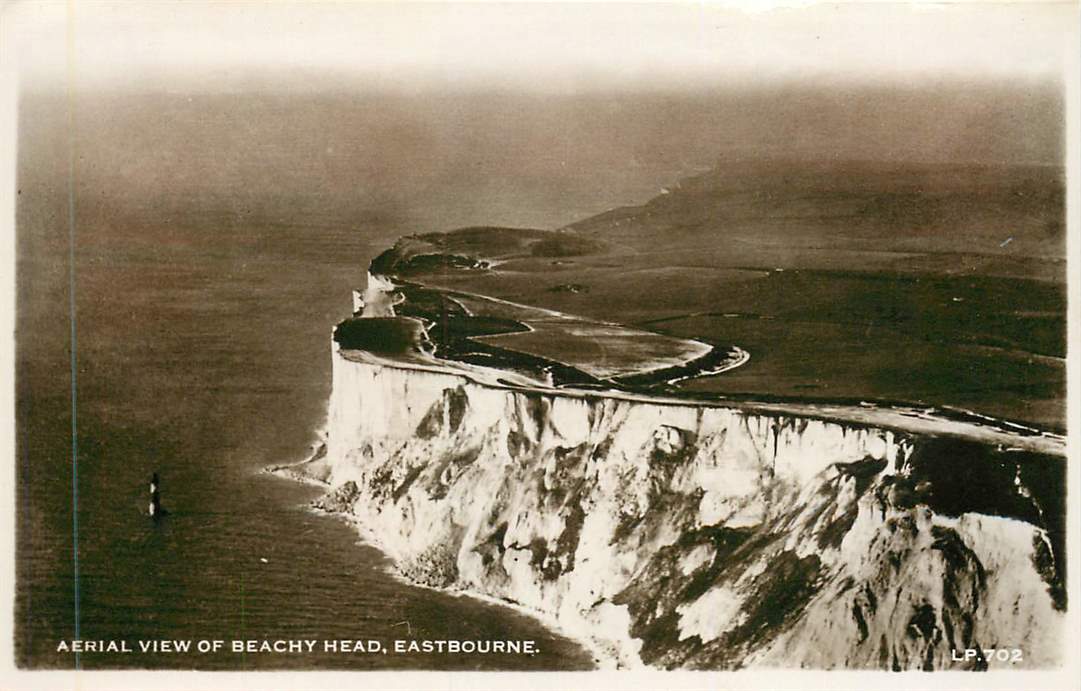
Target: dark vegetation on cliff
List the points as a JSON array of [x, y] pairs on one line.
[[430, 321], [384, 336], [932, 284]]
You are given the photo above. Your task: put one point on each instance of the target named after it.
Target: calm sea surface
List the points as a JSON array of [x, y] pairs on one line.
[[202, 354], [217, 237]]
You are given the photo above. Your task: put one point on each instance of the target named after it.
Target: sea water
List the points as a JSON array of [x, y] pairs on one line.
[[203, 354]]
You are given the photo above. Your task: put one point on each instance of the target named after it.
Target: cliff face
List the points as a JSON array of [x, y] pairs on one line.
[[701, 536]]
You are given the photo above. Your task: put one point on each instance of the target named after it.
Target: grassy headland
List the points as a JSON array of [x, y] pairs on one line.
[[937, 285]]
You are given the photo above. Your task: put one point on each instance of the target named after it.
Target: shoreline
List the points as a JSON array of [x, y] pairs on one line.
[[602, 659]]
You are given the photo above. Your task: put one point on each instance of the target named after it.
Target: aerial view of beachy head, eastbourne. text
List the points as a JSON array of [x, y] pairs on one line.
[[607, 343]]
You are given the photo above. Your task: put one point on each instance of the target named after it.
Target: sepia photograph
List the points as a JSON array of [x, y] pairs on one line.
[[616, 345]]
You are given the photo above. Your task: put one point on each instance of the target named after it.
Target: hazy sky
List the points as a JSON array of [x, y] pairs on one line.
[[562, 48]]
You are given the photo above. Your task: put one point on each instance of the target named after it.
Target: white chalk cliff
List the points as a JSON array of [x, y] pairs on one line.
[[678, 534]]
